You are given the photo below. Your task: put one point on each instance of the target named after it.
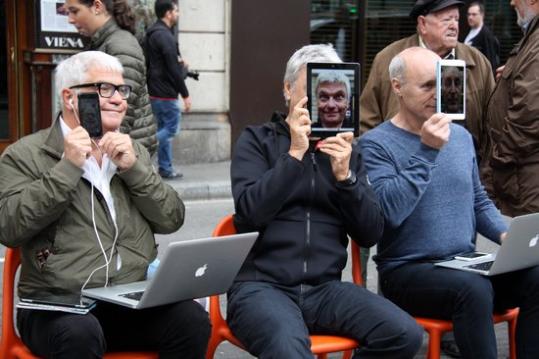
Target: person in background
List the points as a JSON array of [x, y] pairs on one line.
[[165, 82], [110, 26], [480, 36], [83, 212], [513, 120]]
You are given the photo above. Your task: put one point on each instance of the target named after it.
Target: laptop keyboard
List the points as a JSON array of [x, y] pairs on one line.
[[481, 266], [133, 295]]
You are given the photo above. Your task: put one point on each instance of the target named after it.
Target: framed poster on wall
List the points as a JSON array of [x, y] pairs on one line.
[[54, 32]]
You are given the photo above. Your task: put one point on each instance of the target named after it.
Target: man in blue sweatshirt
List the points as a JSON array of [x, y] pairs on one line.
[[423, 170]]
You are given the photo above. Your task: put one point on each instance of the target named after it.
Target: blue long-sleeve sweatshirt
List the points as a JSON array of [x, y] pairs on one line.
[[433, 201]]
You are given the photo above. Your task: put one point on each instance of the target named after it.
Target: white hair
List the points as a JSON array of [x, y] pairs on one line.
[[397, 68], [308, 53], [74, 70], [334, 77]]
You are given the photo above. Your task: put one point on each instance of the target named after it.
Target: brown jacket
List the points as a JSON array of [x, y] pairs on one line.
[[513, 121], [378, 103]]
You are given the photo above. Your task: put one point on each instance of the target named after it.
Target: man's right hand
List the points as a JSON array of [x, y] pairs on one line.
[[300, 129], [77, 146], [187, 103], [435, 131]]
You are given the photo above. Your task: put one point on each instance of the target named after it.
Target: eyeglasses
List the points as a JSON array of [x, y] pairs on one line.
[[107, 90]]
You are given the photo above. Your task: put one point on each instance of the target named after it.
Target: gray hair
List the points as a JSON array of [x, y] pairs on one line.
[[333, 76], [308, 53], [397, 68], [74, 70]]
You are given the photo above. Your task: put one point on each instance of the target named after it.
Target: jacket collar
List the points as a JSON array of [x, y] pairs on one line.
[[278, 122], [54, 143], [103, 33]]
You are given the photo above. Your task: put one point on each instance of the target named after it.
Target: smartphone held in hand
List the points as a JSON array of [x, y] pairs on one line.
[[451, 88], [90, 114]]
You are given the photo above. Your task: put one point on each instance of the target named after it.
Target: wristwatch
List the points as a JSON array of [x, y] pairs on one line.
[[349, 180]]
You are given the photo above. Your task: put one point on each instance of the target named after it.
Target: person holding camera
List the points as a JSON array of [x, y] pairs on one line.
[[166, 79]]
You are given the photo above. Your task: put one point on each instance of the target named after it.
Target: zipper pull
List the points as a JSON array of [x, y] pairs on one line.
[[313, 160]]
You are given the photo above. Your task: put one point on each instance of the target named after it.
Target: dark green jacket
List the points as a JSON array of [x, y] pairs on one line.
[[45, 209], [139, 121]]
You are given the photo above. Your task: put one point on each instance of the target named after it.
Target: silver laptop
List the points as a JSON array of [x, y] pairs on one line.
[[189, 269], [519, 250]]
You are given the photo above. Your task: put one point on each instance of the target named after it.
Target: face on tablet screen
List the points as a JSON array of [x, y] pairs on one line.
[[333, 101], [452, 79]]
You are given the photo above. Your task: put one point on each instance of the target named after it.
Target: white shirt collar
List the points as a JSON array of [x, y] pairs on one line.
[[100, 177]]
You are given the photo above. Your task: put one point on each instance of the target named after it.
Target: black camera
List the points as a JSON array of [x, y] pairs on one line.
[[193, 74]]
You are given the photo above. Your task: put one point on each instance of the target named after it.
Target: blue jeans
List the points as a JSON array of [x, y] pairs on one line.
[[469, 299], [168, 116], [274, 321]]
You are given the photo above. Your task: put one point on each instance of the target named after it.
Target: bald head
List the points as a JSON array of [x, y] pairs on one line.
[[413, 79], [411, 58]]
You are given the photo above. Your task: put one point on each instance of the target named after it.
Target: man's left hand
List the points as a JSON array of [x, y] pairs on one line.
[[119, 148], [339, 149]]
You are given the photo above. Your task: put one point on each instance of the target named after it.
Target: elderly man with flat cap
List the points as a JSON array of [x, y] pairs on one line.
[[437, 30]]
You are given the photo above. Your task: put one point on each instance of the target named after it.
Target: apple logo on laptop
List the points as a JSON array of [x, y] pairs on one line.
[[534, 240], [200, 271]]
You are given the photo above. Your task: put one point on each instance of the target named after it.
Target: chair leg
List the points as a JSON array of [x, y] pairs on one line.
[[347, 354], [435, 338], [322, 356], [512, 330], [212, 346]]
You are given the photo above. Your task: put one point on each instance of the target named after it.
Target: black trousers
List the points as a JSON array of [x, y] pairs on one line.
[[469, 299], [179, 330], [274, 321]]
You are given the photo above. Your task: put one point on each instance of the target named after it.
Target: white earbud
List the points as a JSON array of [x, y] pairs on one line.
[[71, 104]]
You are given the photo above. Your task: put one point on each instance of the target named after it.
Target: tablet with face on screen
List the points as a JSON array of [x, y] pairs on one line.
[[333, 92], [451, 88]]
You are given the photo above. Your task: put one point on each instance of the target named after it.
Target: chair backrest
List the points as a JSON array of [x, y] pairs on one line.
[[9, 337]]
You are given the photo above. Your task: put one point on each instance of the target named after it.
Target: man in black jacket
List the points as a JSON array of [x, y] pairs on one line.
[[480, 36], [305, 203], [165, 81]]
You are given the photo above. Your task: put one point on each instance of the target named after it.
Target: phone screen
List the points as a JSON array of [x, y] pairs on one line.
[[451, 88], [333, 92], [90, 114]]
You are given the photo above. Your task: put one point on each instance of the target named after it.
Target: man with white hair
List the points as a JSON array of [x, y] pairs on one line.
[[513, 120], [333, 97], [305, 203], [83, 212]]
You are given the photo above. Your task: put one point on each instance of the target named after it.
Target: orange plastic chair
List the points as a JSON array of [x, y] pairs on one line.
[[436, 327], [11, 346], [321, 345]]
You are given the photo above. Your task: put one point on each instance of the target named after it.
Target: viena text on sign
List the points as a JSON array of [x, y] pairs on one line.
[[64, 42]]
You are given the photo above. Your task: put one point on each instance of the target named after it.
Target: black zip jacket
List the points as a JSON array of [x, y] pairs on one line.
[[165, 74], [302, 213]]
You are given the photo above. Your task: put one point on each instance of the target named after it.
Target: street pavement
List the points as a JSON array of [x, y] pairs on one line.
[[205, 189]]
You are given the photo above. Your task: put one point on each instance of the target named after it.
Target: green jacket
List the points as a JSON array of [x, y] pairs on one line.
[[139, 122], [45, 209]]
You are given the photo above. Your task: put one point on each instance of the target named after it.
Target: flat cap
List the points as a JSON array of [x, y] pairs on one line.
[[424, 7]]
